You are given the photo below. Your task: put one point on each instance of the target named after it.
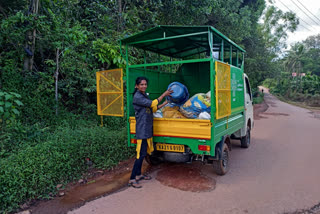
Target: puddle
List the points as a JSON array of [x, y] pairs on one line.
[[186, 178], [96, 188]]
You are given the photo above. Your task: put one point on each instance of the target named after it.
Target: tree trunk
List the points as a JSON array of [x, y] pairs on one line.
[[56, 75], [3, 12], [0, 79], [119, 15], [31, 39]]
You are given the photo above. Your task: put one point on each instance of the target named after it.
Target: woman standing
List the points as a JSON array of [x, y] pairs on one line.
[[144, 108]]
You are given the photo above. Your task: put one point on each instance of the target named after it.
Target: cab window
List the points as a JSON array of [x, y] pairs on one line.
[[248, 89]]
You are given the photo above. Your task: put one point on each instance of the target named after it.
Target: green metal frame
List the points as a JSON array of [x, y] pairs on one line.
[[142, 40], [169, 63], [167, 38]]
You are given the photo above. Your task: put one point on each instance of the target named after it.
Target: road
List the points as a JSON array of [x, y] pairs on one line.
[[279, 173]]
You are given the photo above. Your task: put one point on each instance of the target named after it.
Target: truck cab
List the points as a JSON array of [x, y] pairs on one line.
[[202, 59]]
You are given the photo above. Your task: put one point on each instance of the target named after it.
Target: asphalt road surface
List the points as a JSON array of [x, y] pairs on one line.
[[279, 173]]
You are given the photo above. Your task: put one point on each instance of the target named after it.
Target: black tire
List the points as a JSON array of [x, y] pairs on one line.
[[246, 140], [153, 160], [221, 167]]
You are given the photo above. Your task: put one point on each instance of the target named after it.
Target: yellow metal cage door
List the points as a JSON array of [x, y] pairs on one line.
[[223, 90], [110, 92]]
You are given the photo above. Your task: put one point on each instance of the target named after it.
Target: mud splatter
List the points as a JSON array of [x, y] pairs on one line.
[[258, 109], [185, 178], [76, 195]]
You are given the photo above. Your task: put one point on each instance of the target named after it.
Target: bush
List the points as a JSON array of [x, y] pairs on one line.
[[314, 100], [258, 98], [9, 102], [35, 171], [296, 96]]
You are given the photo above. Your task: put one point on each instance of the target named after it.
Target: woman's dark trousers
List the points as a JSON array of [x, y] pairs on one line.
[[136, 171]]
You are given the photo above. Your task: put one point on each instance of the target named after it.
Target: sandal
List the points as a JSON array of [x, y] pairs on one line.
[[134, 184], [143, 177]]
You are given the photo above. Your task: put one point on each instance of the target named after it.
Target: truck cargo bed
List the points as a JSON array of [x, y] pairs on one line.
[[186, 128]]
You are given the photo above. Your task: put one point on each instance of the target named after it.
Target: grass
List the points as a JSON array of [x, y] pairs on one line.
[[56, 156]]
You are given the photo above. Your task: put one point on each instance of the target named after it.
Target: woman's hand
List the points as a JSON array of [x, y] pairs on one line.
[[165, 94], [163, 104], [168, 92]]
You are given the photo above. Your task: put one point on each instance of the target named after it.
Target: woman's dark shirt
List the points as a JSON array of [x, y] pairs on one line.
[[143, 114]]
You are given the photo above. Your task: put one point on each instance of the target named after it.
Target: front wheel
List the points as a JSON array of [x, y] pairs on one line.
[[221, 167], [246, 140]]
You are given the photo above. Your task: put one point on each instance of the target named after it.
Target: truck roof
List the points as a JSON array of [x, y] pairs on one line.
[[179, 41]]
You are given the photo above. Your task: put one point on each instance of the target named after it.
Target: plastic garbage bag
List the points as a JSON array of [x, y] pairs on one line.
[[208, 94], [204, 115], [195, 105], [158, 114]]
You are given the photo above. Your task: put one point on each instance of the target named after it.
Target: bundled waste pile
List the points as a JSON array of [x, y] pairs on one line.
[[169, 111], [180, 106]]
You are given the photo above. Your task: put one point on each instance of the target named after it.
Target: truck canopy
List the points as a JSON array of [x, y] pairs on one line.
[[181, 41]]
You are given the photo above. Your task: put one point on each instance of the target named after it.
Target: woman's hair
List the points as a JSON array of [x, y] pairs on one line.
[[138, 81]]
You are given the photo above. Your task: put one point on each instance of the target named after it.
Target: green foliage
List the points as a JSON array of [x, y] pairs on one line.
[[34, 172], [275, 28], [301, 61], [9, 103], [108, 54], [258, 97], [300, 89], [269, 83]]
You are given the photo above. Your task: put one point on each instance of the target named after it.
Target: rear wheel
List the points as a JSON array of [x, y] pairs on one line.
[[246, 140], [221, 167]]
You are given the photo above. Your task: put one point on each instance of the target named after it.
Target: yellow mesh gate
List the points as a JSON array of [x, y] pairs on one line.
[[223, 90], [110, 92]]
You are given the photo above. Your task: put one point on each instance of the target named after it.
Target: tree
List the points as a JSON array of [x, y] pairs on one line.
[[293, 61], [31, 38], [276, 25]]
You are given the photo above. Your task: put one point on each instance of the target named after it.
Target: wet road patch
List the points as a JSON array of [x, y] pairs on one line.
[[186, 178]]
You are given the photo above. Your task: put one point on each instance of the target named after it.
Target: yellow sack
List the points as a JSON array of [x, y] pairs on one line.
[[172, 112]]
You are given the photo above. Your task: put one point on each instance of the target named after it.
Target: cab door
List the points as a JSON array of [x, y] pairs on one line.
[[248, 102], [110, 92]]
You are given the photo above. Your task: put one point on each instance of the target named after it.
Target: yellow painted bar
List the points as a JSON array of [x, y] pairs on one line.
[[98, 95], [185, 128]]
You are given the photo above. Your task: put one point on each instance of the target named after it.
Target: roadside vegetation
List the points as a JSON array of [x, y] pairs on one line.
[[49, 53], [300, 80], [258, 97]]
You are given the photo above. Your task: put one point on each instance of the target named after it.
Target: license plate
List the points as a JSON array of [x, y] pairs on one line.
[[170, 147]]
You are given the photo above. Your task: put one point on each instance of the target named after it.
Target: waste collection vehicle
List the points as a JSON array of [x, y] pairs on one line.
[[202, 59]]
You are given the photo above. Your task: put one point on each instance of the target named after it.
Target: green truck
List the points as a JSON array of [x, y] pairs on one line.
[[201, 58]]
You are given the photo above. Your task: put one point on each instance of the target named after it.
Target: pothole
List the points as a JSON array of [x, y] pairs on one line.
[[185, 178]]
